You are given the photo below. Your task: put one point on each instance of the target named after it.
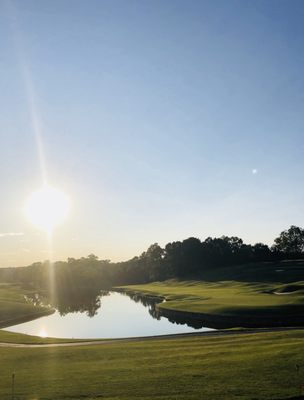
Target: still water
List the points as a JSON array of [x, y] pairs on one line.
[[117, 316]]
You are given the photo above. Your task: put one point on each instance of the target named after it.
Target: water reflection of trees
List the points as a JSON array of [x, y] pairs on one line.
[[89, 301], [151, 303], [83, 300], [181, 320], [147, 301]]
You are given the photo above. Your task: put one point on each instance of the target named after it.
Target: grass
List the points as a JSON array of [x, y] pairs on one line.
[[11, 337], [254, 366], [273, 294], [281, 272], [224, 298], [235, 366], [15, 309]]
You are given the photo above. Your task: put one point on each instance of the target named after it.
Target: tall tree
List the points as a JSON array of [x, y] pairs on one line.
[[291, 241]]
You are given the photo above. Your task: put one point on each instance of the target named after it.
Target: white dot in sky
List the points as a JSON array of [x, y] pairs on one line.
[[254, 171]]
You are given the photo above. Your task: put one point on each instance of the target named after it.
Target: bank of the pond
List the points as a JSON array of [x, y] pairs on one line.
[[116, 315], [26, 318], [225, 304], [196, 304], [20, 340], [15, 309]]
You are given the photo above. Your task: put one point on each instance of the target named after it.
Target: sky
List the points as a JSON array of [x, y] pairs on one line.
[[159, 119]]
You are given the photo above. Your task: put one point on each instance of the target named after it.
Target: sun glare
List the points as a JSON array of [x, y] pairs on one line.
[[47, 207], [42, 333]]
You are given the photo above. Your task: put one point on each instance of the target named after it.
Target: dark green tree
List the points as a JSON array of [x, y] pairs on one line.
[[290, 241], [153, 259], [261, 252]]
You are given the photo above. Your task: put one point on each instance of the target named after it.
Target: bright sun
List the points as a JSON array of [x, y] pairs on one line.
[[47, 207]]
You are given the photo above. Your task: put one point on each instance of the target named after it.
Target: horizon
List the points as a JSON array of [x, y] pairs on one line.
[[159, 121], [52, 261]]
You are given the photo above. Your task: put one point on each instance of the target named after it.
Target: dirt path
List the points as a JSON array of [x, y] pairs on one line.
[[148, 338]]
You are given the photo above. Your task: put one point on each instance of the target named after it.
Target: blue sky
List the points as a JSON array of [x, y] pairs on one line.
[[154, 116]]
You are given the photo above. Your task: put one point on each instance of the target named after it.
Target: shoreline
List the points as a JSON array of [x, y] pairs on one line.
[[217, 321], [25, 318], [101, 341], [230, 321]]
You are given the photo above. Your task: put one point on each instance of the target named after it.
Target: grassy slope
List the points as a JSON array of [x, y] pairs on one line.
[[243, 290], [14, 308], [223, 298], [256, 366], [11, 337]]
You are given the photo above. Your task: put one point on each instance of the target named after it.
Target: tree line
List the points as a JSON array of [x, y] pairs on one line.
[[189, 258]]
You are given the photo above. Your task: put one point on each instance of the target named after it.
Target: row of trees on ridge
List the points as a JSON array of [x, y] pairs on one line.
[[180, 259]]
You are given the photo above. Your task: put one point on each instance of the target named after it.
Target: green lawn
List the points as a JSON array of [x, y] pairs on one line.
[[273, 297], [225, 297], [254, 366], [14, 308]]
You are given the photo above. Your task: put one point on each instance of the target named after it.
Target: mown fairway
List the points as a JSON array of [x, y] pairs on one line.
[[254, 366], [222, 297], [260, 290]]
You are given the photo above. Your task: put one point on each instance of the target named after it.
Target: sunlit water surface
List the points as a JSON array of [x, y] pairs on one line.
[[118, 317]]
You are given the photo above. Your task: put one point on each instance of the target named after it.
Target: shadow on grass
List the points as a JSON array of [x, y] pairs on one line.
[[286, 271]]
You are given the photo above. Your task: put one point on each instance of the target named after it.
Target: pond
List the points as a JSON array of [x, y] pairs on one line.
[[113, 315]]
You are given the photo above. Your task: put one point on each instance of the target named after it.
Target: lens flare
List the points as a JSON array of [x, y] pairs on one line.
[[47, 207], [42, 333]]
